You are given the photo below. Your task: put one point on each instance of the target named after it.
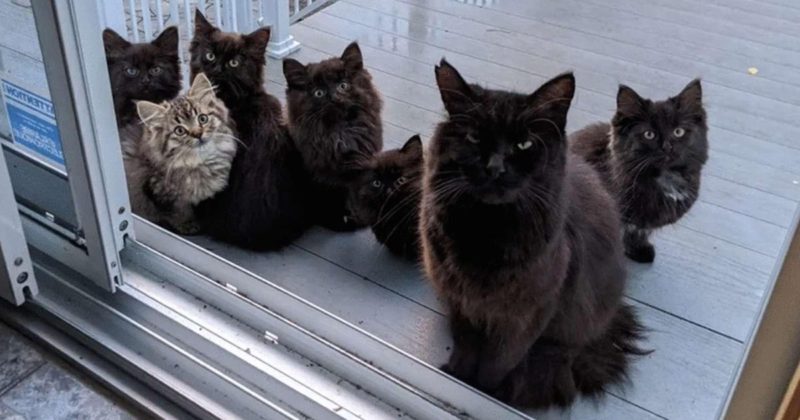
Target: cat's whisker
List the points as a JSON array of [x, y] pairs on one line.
[[234, 138]]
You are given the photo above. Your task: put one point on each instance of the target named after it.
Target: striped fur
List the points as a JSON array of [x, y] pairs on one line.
[[182, 157]]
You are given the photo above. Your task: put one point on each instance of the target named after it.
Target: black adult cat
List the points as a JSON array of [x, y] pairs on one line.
[[335, 121], [263, 206], [651, 156], [522, 242], [147, 71], [386, 196]]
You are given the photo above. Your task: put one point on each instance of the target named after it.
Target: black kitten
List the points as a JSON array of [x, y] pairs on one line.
[[522, 242], [651, 156], [335, 121], [264, 205], [147, 71], [386, 196]]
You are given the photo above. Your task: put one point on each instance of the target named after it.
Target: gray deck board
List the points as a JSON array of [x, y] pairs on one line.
[[755, 8], [598, 75], [414, 92], [587, 102], [753, 29], [606, 22], [733, 13]]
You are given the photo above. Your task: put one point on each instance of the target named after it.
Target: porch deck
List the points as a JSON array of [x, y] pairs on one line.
[[701, 295]]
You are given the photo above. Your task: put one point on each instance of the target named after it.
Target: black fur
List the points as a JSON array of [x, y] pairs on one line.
[[264, 205]]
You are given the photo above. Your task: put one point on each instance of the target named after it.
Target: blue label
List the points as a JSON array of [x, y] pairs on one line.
[[33, 122]]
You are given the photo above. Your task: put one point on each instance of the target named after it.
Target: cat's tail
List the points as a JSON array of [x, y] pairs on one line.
[[606, 361]]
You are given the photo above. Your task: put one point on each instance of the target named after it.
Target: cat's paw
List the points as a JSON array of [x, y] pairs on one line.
[[189, 228], [642, 253]]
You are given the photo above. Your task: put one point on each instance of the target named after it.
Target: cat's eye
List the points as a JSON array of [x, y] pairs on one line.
[[202, 118], [233, 63], [343, 86], [319, 93], [525, 145], [649, 135], [155, 71], [377, 183], [131, 71], [179, 130], [402, 180], [210, 56], [472, 139], [678, 132]]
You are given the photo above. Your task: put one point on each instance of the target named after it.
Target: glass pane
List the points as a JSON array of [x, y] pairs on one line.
[[28, 129]]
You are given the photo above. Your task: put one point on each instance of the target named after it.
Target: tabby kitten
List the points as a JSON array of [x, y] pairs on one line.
[[183, 157], [651, 156], [386, 197], [335, 120], [147, 71], [522, 242], [263, 206]]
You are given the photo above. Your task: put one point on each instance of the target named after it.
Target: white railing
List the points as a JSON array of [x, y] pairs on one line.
[[142, 20], [301, 9]]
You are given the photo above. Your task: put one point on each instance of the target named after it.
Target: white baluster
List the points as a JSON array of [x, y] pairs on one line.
[[134, 24], [188, 15], [281, 42], [112, 13], [218, 12], [174, 19], [148, 35], [233, 16], [160, 15]]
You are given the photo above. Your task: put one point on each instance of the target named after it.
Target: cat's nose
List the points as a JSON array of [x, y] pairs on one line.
[[496, 165]]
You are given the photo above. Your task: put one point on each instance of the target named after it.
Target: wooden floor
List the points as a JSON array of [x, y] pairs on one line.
[[700, 297]]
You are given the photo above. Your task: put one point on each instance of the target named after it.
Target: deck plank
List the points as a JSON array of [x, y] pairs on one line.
[[604, 23], [761, 9], [753, 29], [598, 76], [425, 96], [382, 61], [785, 21]]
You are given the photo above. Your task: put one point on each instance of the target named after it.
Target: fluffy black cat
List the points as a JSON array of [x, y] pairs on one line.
[[651, 157], [386, 197], [522, 242], [264, 205], [147, 71], [335, 121]]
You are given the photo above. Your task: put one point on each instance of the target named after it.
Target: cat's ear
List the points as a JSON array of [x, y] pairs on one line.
[[691, 97], [353, 60], [201, 87], [413, 148], [113, 43], [202, 26], [167, 41], [256, 41], [628, 101], [148, 111], [554, 98], [457, 95], [295, 73]]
